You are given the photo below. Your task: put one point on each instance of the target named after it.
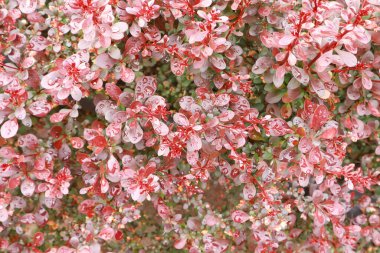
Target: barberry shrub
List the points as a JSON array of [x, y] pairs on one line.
[[189, 125]]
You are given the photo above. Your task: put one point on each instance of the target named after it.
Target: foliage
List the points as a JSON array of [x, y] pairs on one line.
[[193, 125]]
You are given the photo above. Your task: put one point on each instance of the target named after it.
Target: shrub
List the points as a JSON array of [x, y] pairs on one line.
[[195, 126]]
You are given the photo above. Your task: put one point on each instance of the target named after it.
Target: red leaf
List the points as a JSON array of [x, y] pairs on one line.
[[99, 141], [113, 90], [320, 117]]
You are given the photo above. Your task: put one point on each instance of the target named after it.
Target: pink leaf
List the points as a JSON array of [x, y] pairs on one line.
[[210, 220], [29, 140], [76, 93], [193, 223], [59, 116], [4, 101], [27, 6], [286, 40], [113, 129], [38, 43], [300, 75], [27, 187], [315, 156], [112, 165], [113, 90], [134, 132], [333, 207], [38, 239], [278, 78], [145, 87], [273, 98], [40, 108], [320, 89], [278, 127], [192, 157], [177, 67], [155, 102], [261, 65], [106, 234], [222, 100], [104, 185], [305, 145], [9, 129], [3, 214], [185, 102], [226, 116], [180, 243], [367, 82], [104, 61], [203, 3], [159, 127], [348, 58], [319, 218], [127, 74], [181, 119], [329, 133], [194, 143], [50, 81], [239, 216], [305, 166], [240, 104], [303, 179], [324, 61], [218, 62], [353, 93], [249, 191], [339, 230], [233, 52]]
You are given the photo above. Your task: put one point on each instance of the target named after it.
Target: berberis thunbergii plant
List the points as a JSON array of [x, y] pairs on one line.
[[189, 126]]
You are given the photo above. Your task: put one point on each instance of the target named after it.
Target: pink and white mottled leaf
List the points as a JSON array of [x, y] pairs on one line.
[[27, 6], [40, 108], [249, 191], [177, 67], [9, 129], [180, 243], [239, 216], [37, 43], [159, 127], [104, 61], [218, 62], [194, 143], [134, 132], [106, 234], [127, 74], [27, 187], [278, 127], [181, 119], [145, 87], [348, 58]]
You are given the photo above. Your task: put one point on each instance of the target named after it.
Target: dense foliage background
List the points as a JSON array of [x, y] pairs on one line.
[[189, 125]]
